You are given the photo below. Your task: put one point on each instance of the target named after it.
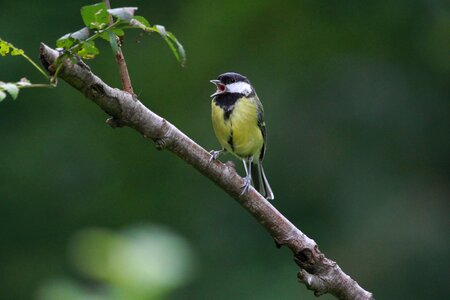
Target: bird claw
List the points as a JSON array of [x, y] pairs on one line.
[[246, 185], [214, 154]]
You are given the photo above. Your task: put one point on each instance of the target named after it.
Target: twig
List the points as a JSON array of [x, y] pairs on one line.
[[36, 66], [120, 58], [318, 273]]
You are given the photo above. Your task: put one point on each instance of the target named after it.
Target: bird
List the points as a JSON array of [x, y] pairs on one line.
[[238, 122]]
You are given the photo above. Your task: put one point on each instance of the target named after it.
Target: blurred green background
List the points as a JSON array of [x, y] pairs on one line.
[[357, 104]]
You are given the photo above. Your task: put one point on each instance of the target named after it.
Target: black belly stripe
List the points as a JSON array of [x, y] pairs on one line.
[[227, 112], [230, 140]]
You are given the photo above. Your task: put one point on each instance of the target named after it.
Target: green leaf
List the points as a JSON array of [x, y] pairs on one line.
[[111, 36], [2, 96], [142, 20], [95, 16], [175, 46], [105, 35], [4, 47], [23, 82], [88, 50], [81, 34], [161, 30], [123, 13], [17, 51], [67, 40], [181, 57], [12, 89], [113, 42], [117, 31]]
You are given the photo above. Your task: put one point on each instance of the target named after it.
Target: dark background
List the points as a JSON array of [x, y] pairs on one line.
[[357, 112]]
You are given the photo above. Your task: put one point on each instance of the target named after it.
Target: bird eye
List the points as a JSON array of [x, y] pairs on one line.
[[232, 80]]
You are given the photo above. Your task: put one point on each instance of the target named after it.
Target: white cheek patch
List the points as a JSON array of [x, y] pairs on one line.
[[239, 87]]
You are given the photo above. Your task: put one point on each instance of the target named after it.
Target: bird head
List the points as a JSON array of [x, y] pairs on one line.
[[232, 83]]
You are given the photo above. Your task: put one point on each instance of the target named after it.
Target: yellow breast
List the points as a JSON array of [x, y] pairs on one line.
[[239, 133]]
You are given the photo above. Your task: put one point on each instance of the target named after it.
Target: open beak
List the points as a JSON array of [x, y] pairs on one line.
[[221, 88]]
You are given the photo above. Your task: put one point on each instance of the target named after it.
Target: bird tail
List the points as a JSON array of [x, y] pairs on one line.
[[260, 181]]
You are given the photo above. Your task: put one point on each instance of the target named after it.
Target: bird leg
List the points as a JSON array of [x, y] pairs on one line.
[[248, 178], [215, 154]]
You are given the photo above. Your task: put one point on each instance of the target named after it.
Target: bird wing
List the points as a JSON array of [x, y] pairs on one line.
[[262, 126]]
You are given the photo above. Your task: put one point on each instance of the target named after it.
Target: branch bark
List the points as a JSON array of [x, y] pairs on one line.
[[317, 272]]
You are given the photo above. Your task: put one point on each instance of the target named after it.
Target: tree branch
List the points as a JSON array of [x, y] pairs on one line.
[[318, 273]]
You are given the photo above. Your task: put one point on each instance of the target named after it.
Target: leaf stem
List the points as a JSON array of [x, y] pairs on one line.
[[54, 78], [36, 85], [35, 65]]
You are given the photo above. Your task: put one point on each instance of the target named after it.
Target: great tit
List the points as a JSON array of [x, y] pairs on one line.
[[238, 122]]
